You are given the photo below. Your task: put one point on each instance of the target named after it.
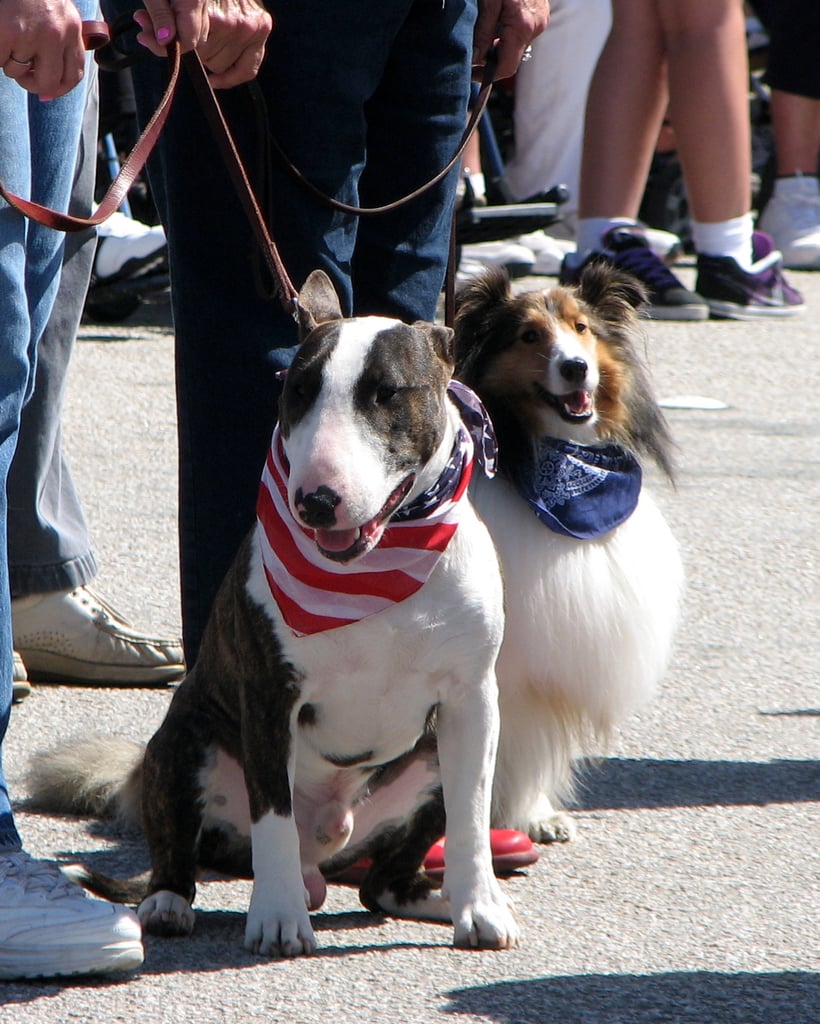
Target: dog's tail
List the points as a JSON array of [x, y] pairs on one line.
[[116, 890], [100, 776]]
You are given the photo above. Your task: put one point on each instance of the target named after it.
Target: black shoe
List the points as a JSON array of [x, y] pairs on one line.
[[737, 294], [628, 249]]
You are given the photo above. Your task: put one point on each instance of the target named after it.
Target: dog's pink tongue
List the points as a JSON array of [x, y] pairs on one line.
[[336, 540], [578, 403]]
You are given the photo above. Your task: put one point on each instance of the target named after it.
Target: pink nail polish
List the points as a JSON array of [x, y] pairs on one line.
[[163, 34]]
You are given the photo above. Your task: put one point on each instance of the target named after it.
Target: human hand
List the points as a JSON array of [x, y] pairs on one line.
[[41, 45], [511, 25], [235, 46], [163, 21]]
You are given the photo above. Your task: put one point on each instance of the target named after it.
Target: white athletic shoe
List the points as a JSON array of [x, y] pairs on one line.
[[516, 259], [794, 224], [49, 927], [549, 251], [127, 247]]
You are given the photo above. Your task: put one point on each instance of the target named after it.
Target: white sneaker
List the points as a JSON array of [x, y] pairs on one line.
[[516, 259], [664, 244], [794, 224], [549, 251], [74, 636], [50, 927], [127, 247]]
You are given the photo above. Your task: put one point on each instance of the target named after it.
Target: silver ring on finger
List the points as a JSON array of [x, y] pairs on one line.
[[22, 63]]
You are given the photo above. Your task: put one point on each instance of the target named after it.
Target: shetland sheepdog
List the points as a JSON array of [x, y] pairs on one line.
[[592, 574]]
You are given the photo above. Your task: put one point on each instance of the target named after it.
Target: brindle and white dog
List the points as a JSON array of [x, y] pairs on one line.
[[302, 735]]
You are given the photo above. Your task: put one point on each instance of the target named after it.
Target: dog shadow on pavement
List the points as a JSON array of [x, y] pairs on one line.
[[696, 997], [624, 784]]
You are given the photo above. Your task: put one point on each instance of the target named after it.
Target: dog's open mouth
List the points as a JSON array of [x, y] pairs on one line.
[[574, 407], [345, 545]]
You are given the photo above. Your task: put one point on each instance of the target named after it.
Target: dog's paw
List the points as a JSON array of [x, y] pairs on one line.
[[486, 924], [482, 916], [558, 827], [276, 930], [166, 913]]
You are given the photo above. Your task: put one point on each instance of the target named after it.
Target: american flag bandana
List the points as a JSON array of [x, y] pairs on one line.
[[315, 594]]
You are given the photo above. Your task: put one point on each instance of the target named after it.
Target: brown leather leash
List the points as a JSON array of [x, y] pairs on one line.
[[288, 295], [219, 126], [96, 35], [487, 76]]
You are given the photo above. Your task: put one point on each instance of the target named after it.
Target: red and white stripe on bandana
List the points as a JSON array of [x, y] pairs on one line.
[[315, 594]]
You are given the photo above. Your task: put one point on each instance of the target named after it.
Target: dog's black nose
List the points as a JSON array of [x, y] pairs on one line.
[[574, 370], [317, 509]]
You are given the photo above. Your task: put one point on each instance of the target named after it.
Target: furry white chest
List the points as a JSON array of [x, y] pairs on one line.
[[368, 689], [372, 685], [597, 617]]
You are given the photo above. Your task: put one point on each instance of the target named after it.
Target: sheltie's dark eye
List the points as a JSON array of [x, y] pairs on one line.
[[530, 336], [580, 327]]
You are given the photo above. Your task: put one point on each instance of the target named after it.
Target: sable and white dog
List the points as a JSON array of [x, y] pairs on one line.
[[364, 607], [592, 574]]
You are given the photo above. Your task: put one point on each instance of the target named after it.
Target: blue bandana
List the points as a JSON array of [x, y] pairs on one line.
[[580, 491]]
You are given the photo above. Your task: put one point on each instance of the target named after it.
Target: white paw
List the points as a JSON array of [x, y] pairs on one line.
[[279, 928], [166, 913], [486, 925], [558, 827], [485, 919]]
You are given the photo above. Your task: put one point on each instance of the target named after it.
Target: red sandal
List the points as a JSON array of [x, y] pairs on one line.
[[511, 851]]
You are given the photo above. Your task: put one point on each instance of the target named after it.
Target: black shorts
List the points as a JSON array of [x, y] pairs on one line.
[[794, 47]]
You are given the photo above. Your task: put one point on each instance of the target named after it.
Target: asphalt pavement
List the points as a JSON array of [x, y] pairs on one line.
[[691, 892]]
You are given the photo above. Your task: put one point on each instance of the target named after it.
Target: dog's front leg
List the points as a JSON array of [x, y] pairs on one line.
[[467, 733], [278, 920]]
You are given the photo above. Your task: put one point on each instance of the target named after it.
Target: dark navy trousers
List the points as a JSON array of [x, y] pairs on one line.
[[369, 100]]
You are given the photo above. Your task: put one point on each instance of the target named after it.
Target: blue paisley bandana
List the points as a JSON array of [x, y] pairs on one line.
[[577, 490]]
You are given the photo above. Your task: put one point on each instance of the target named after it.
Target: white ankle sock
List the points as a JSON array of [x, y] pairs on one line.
[[592, 229], [726, 238]]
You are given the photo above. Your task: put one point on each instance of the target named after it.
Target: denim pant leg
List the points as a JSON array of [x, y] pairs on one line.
[[330, 69], [37, 158], [231, 336], [369, 107], [49, 546], [415, 120]]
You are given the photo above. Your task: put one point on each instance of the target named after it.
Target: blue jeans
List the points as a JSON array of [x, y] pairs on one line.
[[38, 147], [369, 100], [49, 547]]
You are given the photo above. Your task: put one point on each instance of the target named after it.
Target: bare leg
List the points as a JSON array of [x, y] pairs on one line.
[[796, 121], [708, 89], [625, 108]]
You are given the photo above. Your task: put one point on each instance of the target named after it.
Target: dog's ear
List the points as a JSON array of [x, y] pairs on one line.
[[480, 306], [318, 302], [442, 339], [609, 290], [490, 289]]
